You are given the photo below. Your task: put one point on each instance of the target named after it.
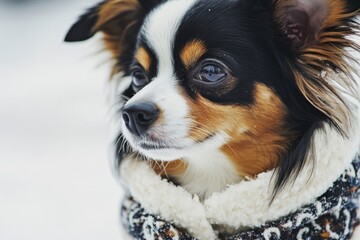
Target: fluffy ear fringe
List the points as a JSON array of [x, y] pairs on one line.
[[323, 71], [330, 53], [118, 20]]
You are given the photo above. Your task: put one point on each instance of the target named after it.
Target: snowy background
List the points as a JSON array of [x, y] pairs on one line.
[[55, 180]]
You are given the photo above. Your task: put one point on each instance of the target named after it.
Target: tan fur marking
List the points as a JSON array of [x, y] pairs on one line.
[[259, 148], [168, 169], [116, 19], [161, 118], [257, 132], [192, 52], [143, 58]]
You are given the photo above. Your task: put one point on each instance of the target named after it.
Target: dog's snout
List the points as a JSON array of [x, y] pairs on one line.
[[139, 117]]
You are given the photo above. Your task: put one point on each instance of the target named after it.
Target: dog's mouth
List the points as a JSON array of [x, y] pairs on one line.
[[157, 145], [171, 149]]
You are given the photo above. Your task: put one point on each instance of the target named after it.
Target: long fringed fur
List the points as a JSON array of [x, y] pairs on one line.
[[311, 67]]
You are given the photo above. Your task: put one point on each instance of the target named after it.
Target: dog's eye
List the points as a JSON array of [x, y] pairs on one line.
[[139, 79], [211, 74]]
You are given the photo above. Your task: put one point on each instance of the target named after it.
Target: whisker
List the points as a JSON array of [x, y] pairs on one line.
[[164, 169], [125, 97]]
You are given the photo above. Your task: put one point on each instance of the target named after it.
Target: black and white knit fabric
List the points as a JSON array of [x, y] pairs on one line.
[[332, 216]]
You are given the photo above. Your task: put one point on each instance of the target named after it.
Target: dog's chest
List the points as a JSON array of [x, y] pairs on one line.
[[207, 173]]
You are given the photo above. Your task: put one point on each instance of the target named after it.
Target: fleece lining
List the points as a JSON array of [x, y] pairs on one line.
[[334, 215]]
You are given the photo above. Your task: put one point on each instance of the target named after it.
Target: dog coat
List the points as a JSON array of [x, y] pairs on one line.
[[332, 216]]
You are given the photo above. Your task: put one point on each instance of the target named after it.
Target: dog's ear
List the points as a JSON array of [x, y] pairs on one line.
[[83, 28], [303, 21], [119, 21], [318, 35], [109, 16]]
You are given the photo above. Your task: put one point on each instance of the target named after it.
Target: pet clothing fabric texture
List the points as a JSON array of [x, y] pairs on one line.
[[332, 216]]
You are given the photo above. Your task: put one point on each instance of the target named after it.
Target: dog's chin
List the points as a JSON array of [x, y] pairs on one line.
[[165, 152], [158, 150], [155, 150]]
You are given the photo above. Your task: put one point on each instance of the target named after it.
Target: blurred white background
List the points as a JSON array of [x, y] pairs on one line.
[[55, 180]]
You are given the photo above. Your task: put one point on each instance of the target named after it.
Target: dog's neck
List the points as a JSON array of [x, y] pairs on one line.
[[204, 173], [208, 172], [212, 170]]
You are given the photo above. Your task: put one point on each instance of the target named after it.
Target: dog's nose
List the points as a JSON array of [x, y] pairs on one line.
[[139, 117]]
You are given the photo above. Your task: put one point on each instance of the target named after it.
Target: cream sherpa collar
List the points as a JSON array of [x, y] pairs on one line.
[[332, 216]]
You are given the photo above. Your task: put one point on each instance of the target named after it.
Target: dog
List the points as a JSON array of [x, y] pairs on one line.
[[215, 93]]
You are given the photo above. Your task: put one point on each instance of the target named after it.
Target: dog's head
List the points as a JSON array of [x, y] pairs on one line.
[[246, 77]]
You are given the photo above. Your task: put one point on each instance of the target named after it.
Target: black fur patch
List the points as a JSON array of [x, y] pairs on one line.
[[154, 59], [353, 5], [243, 35]]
